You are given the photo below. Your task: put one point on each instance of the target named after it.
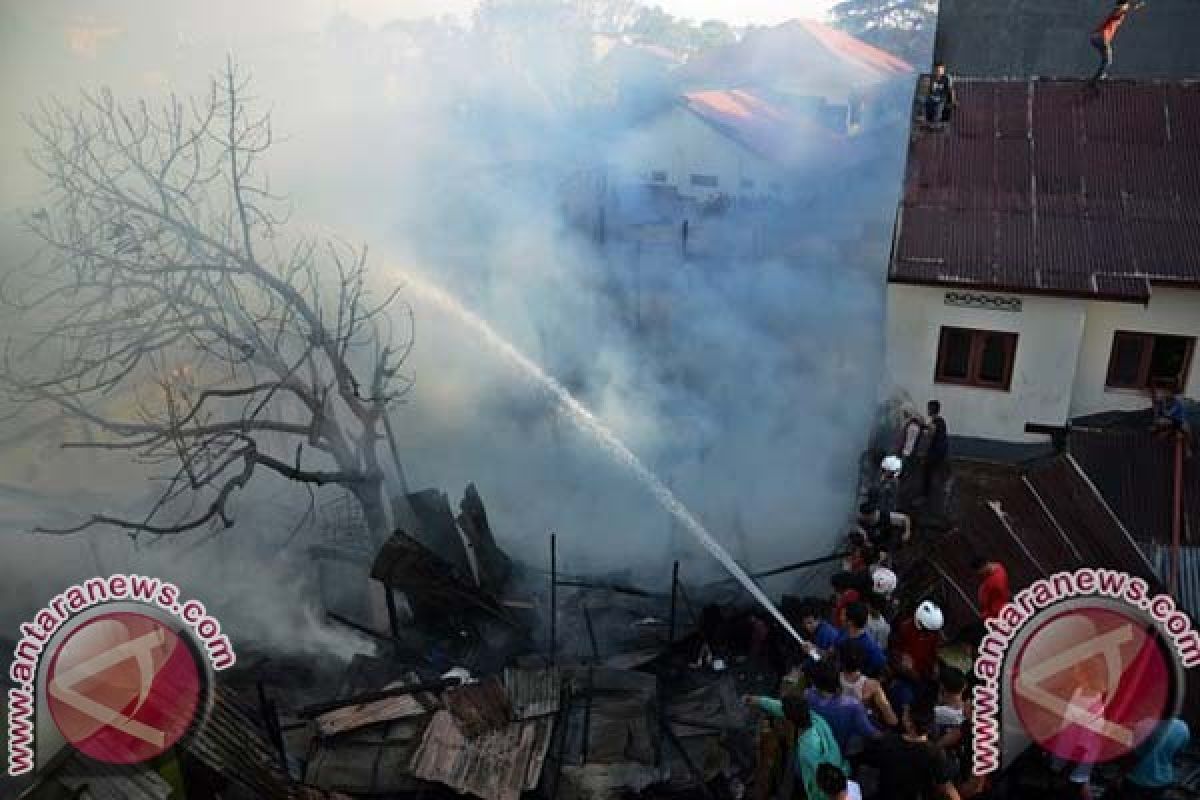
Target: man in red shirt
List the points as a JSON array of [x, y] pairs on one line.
[[993, 587], [914, 654], [1106, 31]]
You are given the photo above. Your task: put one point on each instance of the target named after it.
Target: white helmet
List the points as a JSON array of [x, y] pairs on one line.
[[929, 617], [891, 464], [883, 580]]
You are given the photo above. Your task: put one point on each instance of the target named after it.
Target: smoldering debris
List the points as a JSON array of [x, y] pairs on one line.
[[469, 692]]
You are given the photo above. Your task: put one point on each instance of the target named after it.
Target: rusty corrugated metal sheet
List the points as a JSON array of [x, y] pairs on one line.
[[353, 717], [1135, 472], [231, 743], [499, 765], [479, 707], [1044, 186], [1036, 521]]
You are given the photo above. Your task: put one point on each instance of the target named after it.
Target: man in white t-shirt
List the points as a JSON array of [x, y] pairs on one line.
[[835, 785]]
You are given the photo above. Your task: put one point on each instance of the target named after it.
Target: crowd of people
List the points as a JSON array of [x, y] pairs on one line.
[[875, 703]]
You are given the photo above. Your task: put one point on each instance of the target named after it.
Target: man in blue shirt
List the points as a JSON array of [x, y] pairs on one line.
[[820, 634], [845, 714], [856, 631], [1154, 772]]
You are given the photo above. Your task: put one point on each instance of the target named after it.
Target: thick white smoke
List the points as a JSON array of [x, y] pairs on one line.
[[447, 151]]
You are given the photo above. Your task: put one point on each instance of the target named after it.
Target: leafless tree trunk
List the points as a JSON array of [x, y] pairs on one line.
[[171, 311]]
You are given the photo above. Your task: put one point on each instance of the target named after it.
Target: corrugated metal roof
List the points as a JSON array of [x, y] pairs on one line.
[[1188, 592], [1135, 471], [230, 743], [496, 766], [1036, 521], [804, 54], [1046, 186]]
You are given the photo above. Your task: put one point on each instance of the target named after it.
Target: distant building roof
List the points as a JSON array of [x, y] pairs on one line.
[[800, 51], [765, 126], [1049, 38], [1045, 186]]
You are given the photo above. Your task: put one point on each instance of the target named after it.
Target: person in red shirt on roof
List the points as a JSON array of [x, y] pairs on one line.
[[1106, 31], [993, 586]]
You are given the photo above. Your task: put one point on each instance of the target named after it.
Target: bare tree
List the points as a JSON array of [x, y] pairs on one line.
[[171, 311]]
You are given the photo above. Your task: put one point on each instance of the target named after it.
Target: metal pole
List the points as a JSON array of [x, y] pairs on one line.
[[674, 592], [587, 618], [1177, 514], [553, 598], [271, 720], [393, 616]]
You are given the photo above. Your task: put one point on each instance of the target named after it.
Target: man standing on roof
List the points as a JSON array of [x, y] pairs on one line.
[[994, 592], [941, 98], [1106, 31]]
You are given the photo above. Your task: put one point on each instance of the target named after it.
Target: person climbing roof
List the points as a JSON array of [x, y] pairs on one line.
[[1102, 37]]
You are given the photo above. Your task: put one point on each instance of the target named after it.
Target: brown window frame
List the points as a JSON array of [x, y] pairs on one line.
[[1147, 356], [979, 338]]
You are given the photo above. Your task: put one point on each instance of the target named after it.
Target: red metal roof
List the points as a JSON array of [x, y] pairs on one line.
[[1048, 186], [799, 50], [767, 127]]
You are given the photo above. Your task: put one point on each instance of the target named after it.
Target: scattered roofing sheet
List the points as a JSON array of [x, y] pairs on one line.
[[80, 777], [496, 766], [1046, 186], [1027, 38], [1135, 471], [479, 707], [231, 743], [533, 692], [352, 717], [371, 760]]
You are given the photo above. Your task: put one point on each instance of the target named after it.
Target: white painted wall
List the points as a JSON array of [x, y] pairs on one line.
[[1170, 311], [1049, 333], [681, 144]]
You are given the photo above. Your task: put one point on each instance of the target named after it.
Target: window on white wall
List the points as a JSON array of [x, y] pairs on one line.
[[704, 180], [659, 176], [1149, 360], [971, 357]]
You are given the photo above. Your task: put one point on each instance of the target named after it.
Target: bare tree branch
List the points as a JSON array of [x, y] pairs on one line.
[[176, 316]]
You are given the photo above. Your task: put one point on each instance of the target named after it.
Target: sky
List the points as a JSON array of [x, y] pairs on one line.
[[735, 12]]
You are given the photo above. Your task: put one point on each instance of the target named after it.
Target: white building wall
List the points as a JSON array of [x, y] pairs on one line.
[[680, 144], [1170, 311], [1049, 331]]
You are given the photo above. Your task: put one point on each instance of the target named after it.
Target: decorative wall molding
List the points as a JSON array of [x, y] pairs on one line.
[[989, 302]]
